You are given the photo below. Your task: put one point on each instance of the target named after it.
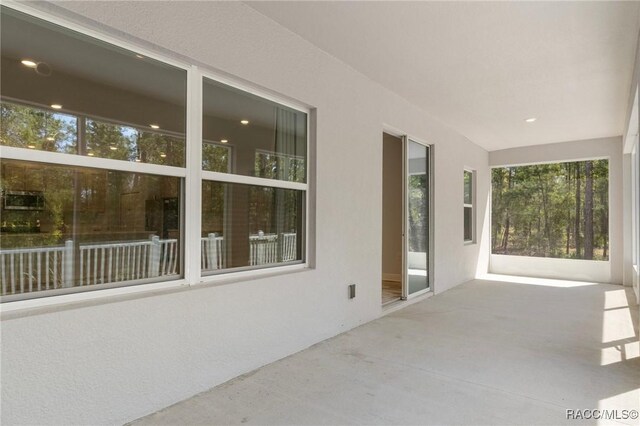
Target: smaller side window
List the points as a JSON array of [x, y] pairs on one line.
[[469, 201]]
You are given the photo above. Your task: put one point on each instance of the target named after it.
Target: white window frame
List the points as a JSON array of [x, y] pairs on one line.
[[472, 206], [192, 174], [226, 274]]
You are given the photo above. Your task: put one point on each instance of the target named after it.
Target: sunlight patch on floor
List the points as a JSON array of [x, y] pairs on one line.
[[622, 401], [619, 353], [535, 281], [617, 329], [616, 299]]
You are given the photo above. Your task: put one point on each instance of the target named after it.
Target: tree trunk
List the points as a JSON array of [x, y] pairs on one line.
[[568, 175], [545, 210], [604, 224], [568, 233], [505, 239], [588, 211]]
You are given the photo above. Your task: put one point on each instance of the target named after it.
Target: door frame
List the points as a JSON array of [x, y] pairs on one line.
[[405, 138]]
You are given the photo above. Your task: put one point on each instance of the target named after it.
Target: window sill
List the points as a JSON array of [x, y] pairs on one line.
[[248, 275], [470, 243], [29, 307]]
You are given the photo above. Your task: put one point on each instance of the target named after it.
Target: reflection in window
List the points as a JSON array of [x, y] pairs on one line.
[[269, 140], [249, 226], [134, 106], [65, 227], [272, 165], [468, 206], [216, 158], [119, 142], [34, 128]]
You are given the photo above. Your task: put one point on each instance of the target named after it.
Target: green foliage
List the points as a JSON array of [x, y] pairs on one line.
[[418, 195], [27, 127], [215, 158], [543, 210]]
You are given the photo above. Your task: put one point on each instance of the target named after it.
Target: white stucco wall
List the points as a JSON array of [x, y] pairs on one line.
[[629, 140], [113, 360], [608, 272]]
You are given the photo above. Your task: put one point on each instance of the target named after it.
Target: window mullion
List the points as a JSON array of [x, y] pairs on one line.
[[252, 180], [193, 181], [14, 153]]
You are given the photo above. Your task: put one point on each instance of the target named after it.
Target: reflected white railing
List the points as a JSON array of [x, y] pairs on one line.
[[212, 252], [127, 260], [264, 249], [46, 268], [36, 268]]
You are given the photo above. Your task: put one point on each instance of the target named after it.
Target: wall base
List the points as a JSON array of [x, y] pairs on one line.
[[545, 267]]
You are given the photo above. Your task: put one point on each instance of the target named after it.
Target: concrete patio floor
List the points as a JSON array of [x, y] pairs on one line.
[[494, 351]]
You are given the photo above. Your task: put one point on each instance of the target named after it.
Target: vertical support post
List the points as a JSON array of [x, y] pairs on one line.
[[154, 257], [67, 268], [212, 251]]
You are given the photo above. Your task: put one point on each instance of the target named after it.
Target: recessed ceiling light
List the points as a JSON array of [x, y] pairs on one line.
[[112, 148], [56, 106], [139, 56], [51, 138], [245, 122], [163, 155], [29, 63], [224, 141], [154, 126], [90, 154], [31, 146], [531, 120]]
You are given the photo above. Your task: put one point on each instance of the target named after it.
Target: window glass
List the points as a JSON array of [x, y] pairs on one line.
[[36, 128], [556, 210], [120, 142], [468, 206], [269, 140], [64, 227], [468, 224], [250, 226], [216, 157], [66, 92], [468, 187]]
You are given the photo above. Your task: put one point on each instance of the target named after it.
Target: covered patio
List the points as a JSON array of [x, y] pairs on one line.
[[500, 350]]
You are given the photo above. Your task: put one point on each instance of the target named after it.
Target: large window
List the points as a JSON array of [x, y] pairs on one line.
[[72, 227], [96, 168], [556, 210], [254, 188]]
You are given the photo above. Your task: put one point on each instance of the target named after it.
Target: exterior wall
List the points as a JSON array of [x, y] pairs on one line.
[[114, 359], [631, 272], [610, 148], [631, 275]]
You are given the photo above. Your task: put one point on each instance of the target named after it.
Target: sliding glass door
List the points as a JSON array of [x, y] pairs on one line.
[[417, 218]]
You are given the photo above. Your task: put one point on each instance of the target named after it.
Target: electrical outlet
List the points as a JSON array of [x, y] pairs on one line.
[[352, 291]]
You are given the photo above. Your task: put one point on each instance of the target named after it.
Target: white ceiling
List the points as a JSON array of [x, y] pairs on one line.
[[484, 67]]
